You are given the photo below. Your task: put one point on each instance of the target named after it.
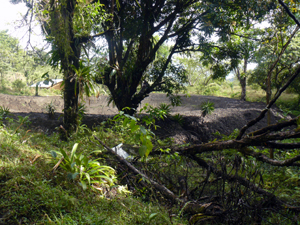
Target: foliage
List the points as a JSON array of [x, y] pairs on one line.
[[4, 112], [18, 84], [87, 171], [134, 57], [155, 113], [9, 54], [178, 118], [139, 135], [22, 121], [85, 80], [197, 73], [207, 108], [81, 112], [33, 195], [50, 110]]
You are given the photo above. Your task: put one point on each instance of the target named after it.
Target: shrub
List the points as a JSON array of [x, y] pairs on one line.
[[86, 170], [18, 84], [207, 108], [50, 109]]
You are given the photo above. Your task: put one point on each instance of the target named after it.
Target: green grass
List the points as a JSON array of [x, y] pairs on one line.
[[30, 193]]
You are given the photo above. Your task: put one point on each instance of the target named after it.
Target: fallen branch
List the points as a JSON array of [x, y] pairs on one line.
[[162, 189], [263, 158], [275, 127], [263, 140], [263, 112], [246, 183]]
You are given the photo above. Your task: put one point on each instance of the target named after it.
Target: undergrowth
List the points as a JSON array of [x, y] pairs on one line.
[[32, 192]]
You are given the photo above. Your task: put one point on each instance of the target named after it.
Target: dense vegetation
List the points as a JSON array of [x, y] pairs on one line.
[[74, 177]]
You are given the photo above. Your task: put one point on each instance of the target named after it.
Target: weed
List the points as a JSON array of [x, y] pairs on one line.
[[23, 121], [160, 112], [207, 108], [175, 100], [50, 110], [4, 113], [138, 133], [178, 118], [31, 194], [165, 108], [88, 171]]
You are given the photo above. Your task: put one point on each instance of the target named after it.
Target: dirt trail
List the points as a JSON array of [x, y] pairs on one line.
[[228, 114]]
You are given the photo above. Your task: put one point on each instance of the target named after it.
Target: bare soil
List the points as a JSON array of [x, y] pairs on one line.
[[229, 114]]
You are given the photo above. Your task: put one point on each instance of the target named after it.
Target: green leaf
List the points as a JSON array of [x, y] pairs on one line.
[[125, 122], [83, 185], [53, 154], [144, 131], [88, 177], [152, 216], [74, 175], [75, 146], [65, 155], [143, 150], [134, 128]]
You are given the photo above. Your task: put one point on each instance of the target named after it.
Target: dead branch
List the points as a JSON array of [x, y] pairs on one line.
[[263, 140], [275, 127], [246, 183], [263, 158], [162, 189], [263, 112]]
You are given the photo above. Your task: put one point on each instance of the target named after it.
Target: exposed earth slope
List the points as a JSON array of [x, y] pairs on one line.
[[228, 115]]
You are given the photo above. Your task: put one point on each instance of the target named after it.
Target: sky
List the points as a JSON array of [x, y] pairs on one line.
[[9, 14]]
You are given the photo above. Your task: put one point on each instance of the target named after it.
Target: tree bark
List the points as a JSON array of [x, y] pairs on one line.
[[68, 48]]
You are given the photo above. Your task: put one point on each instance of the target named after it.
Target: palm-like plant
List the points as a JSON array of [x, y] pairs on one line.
[[207, 108]]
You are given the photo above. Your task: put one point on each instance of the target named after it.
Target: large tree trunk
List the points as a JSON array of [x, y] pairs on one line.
[[70, 104]]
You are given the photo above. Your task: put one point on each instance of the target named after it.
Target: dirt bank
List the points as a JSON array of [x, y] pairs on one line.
[[228, 115]]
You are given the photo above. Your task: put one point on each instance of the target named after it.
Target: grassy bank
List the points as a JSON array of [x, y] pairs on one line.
[[32, 193]]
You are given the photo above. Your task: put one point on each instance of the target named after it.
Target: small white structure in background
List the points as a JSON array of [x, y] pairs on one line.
[[47, 84], [119, 150]]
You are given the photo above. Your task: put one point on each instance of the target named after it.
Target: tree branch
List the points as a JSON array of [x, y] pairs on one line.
[[263, 112], [242, 181], [165, 191], [275, 127], [289, 12]]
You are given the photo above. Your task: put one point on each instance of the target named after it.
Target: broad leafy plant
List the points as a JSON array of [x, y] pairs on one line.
[[160, 112], [81, 167], [139, 134]]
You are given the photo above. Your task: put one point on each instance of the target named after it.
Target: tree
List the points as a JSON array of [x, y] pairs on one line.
[[275, 61], [235, 52], [9, 53], [67, 25], [197, 73], [131, 46]]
